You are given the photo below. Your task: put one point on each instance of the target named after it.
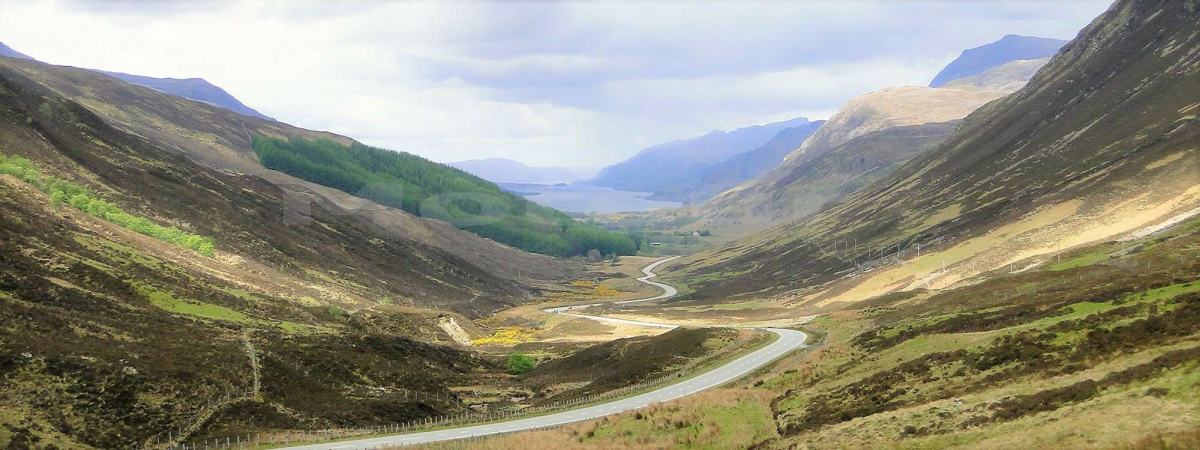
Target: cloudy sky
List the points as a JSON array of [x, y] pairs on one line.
[[572, 83]]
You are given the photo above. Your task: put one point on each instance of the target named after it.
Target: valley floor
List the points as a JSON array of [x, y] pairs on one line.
[[1098, 348]]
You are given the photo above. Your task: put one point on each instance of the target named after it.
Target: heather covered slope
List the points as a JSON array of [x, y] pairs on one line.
[[192, 88], [1103, 141], [1103, 334], [218, 139], [115, 338]]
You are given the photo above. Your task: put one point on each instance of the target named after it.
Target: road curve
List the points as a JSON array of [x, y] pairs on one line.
[[789, 340], [668, 290]]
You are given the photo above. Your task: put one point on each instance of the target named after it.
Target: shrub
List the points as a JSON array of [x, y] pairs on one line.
[[519, 363], [63, 191]]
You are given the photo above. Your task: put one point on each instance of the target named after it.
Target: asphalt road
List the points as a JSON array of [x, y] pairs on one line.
[[789, 340]]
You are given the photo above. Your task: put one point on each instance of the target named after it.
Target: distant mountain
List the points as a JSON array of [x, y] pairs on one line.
[[787, 192], [190, 88], [717, 178], [501, 170], [645, 172], [1005, 77], [8, 52], [1009, 48], [1102, 143]]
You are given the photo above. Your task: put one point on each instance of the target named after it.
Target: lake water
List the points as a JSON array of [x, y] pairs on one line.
[[587, 199]]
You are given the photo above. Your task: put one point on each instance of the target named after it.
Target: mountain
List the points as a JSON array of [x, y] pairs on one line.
[[786, 193], [1009, 48], [8, 52], [1101, 143], [187, 287], [703, 184], [190, 88], [1009, 76], [647, 171], [501, 170]]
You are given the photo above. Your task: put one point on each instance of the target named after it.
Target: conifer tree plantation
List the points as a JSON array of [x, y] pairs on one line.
[[432, 190]]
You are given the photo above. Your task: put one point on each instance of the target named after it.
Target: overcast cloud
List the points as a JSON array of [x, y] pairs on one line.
[[577, 83]]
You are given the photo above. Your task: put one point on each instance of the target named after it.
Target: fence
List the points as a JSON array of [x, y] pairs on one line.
[[289, 438]]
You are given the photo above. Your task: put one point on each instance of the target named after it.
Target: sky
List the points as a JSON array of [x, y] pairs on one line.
[[585, 83]]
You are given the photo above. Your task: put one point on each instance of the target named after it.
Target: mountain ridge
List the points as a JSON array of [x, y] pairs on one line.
[[1011, 47], [644, 172], [1047, 168], [770, 200], [197, 89]]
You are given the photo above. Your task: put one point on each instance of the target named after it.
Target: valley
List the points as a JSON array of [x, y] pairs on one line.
[[1007, 256]]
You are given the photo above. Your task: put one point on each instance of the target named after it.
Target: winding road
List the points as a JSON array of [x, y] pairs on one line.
[[788, 341]]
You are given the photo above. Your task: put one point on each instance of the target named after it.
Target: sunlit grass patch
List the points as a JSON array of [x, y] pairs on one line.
[[169, 302], [1085, 259], [65, 192]]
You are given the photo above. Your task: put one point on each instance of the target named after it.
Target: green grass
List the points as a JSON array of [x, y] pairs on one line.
[[1085, 259], [65, 192], [425, 188], [711, 426], [169, 302], [240, 293]]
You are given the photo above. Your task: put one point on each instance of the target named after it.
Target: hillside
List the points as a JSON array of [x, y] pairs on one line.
[[191, 88], [501, 170], [1005, 77], [1009, 48], [9, 52], [704, 184], [1103, 334], [786, 193], [430, 190], [658, 168], [1101, 143], [184, 298]]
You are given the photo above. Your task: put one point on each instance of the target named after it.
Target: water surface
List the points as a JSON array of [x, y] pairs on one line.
[[580, 198]]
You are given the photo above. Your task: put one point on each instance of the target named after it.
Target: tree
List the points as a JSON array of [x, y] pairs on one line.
[[519, 363], [428, 189]]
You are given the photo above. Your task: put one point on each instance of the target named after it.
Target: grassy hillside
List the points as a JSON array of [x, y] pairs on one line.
[[432, 190], [1098, 348], [65, 192], [1102, 142], [145, 295], [1050, 352], [217, 139]]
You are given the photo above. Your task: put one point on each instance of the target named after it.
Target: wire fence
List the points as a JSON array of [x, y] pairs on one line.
[[302, 437]]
